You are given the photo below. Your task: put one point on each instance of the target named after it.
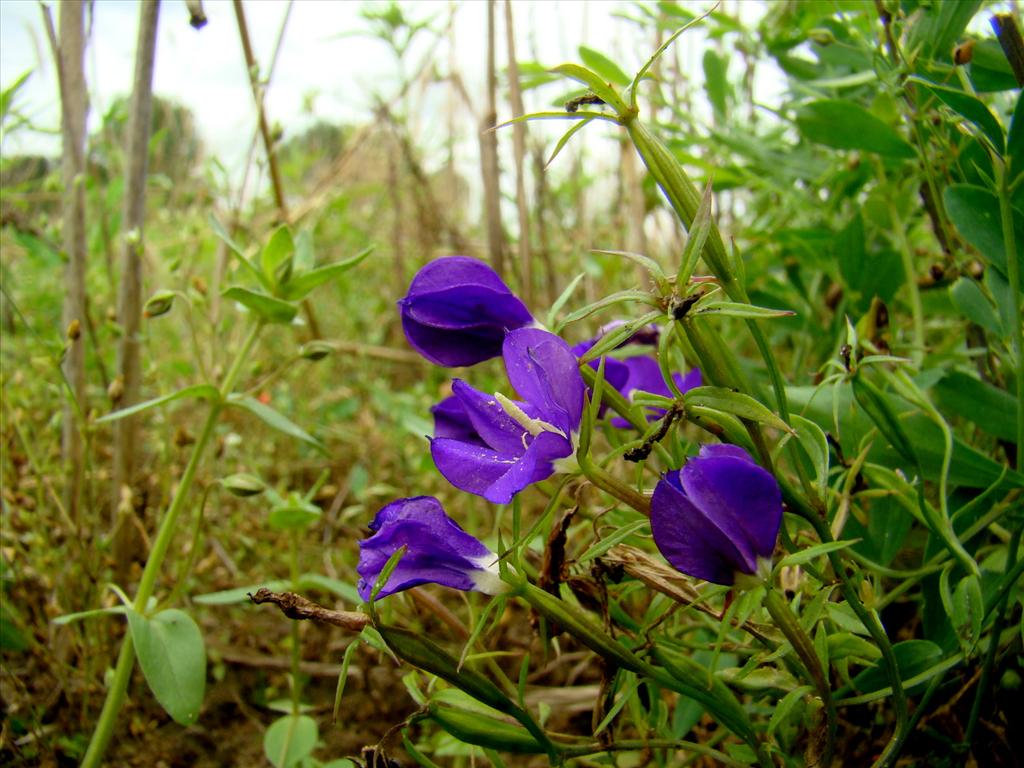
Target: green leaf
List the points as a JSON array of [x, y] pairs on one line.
[[8, 93], [563, 297], [973, 304], [595, 83], [12, 638], [290, 740], [715, 80], [880, 411], [268, 308], [785, 707], [842, 124], [67, 618], [642, 72], [992, 409], [623, 533], [806, 555], [483, 731], [295, 514], [603, 66], [621, 297], [968, 612], [814, 444], [305, 259], [236, 249], [888, 525], [696, 237], [276, 257], [975, 212], [275, 419], [200, 391], [738, 309], [935, 27], [420, 652], [735, 403], [170, 650], [1015, 140], [969, 107], [565, 139], [912, 658], [302, 284]]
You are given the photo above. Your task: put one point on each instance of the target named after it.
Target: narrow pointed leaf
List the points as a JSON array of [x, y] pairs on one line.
[[302, 284], [969, 107], [275, 419], [278, 251], [737, 309], [268, 308], [199, 391], [565, 139], [595, 83], [736, 403], [236, 249]]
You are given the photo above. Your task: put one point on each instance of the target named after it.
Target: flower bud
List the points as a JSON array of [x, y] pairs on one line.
[[159, 303], [438, 551], [718, 517], [243, 485], [116, 389], [458, 311], [821, 36], [316, 350]]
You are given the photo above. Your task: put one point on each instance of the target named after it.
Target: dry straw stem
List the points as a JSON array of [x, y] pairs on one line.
[[69, 54], [302, 609], [129, 297], [519, 153]]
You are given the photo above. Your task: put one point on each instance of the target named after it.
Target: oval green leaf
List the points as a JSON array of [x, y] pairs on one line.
[[170, 650]]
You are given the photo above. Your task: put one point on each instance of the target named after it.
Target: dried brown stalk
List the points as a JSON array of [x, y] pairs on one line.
[[302, 609]]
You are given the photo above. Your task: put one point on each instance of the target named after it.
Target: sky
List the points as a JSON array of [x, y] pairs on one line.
[[326, 60]]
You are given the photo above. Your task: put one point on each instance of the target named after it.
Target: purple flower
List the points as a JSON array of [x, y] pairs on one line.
[[458, 311], [438, 551], [493, 446], [717, 516]]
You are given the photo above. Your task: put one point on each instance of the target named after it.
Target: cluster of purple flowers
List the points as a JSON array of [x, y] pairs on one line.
[[715, 518]]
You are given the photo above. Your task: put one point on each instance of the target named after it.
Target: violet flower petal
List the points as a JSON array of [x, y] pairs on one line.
[[742, 499], [458, 310], [452, 420], [471, 468], [719, 515], [544, 371], [438, 550], [687, 539], [492, 423]]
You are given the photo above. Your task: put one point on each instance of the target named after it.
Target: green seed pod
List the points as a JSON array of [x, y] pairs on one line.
[[483, 731], [316, 350], [243, 485], [160, 303]]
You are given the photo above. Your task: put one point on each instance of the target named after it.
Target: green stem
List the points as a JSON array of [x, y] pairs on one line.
[[613, 486], [1013, 275], [913, 293], [296, 656], [718, 700], [784, 619], [868, 618], [993, 643], [168, 527]]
